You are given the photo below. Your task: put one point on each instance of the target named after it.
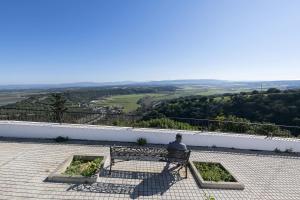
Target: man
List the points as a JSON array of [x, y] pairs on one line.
[[174, 149], [177, 144]]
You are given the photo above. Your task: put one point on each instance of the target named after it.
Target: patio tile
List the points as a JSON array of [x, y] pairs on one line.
[[24, 166]]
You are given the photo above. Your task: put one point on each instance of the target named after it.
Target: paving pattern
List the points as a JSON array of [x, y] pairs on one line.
[[25, 164]]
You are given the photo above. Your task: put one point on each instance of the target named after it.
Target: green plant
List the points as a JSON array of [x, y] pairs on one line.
[[269, 129], [213, 172], [82, 167], [240, 125], [209, 197], [290, 150], [232, 124], [142, 141], [276, 150], [61, 139], [165, 123]]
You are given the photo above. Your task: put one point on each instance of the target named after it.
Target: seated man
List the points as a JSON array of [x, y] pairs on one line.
[[176, 150], [177, 144]]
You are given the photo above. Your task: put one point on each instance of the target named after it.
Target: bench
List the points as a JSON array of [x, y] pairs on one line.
[[181, 158]]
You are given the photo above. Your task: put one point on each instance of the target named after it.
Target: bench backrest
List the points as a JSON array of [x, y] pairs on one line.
[[179, 154], [135, 152]]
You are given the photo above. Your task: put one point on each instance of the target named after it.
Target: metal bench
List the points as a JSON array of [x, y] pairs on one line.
[[179, 157]]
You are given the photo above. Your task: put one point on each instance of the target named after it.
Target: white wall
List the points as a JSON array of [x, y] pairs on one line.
[[156, 136]]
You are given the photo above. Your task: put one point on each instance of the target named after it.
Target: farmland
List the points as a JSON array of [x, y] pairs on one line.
[[131, 102], [125, 99], [128, 102], [11, 97]]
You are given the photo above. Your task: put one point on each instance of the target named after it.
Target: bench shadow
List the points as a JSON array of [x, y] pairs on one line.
[[128, 174], [151, 184], [156, 184], [102, 187]]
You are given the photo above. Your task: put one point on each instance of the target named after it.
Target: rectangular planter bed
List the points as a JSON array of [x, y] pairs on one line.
[[68, 171], [214, 176]]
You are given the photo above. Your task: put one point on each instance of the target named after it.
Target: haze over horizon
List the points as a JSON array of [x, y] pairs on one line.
[[71, 41]]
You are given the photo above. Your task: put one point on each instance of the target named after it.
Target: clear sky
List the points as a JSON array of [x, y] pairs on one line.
[[59, 41]]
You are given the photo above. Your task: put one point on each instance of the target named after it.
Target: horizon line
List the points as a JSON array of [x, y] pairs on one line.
[[146, 81]]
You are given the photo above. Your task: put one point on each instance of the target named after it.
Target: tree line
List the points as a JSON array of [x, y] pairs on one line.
[[271, 106]]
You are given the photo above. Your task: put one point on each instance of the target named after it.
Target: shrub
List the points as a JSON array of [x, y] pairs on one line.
[[119, 122], [290, 150], [233, 124], [276, 150], [83, 167], [240, 125], [269, 130], [165, 123], [142, 141], [61, 139]]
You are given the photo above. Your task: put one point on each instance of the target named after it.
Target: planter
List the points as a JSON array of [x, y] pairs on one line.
[[59, 176], [234, 184]]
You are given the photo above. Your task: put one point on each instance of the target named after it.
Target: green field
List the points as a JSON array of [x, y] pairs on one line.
[[8, 98], [194, 90], [128, 102]]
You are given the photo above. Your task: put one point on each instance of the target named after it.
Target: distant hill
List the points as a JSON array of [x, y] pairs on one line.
[[282, 84], [203, 82], [63, 85]]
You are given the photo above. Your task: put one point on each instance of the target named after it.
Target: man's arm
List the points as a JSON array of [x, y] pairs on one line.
[[184, 147]]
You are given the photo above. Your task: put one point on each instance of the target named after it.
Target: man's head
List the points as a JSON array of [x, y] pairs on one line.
[[178, 137]]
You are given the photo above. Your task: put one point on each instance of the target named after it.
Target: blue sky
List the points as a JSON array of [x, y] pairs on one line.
[[58, 41]]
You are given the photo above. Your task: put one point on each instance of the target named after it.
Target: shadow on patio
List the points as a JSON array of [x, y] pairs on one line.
[[151, 184]]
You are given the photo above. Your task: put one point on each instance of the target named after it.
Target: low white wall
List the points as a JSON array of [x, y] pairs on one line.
[[157, 136]]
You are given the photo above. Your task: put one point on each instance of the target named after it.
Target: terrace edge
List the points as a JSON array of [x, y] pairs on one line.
[[42, 130]]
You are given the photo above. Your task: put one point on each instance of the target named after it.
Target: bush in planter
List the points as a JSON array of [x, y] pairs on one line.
[[141, 141]]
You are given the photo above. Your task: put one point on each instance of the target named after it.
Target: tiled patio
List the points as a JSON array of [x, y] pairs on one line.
[[25, 164]]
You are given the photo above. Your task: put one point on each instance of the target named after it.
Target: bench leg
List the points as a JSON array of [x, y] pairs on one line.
[[166, 167], [186, 172], [111, 163]]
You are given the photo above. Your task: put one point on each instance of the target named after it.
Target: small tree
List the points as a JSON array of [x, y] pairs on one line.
[[273, 90], [58, 107]]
